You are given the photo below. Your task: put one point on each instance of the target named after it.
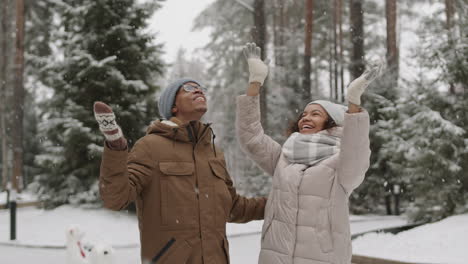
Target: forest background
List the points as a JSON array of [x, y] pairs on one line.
[[59, 56]]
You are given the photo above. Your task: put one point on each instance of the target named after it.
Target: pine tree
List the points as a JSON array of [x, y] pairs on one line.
[[424, 153], [443, 55], [6, 88], [103, 55], [37, 39], [378, 187], [437, 58]]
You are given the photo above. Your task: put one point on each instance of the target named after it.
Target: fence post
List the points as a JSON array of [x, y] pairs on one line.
[[396, 192], [8, 190], [13, 214]]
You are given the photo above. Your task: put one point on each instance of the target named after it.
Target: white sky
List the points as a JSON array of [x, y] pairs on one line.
[[173, 24]]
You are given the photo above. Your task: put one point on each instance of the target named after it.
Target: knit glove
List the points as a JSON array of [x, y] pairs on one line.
[[258, 69], [108, 126], [357, 87]]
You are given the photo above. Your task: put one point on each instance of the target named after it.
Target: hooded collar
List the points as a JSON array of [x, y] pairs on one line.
[[174, 129]]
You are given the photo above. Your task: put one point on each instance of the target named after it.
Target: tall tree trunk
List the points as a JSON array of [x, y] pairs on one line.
[[18, 99], [340, 38], [330, 50], [4, 95], [388, 202], [307, 50], [278, 32], [335, 48], [357, 38], [392, 49], [259, 36], [449, 13]]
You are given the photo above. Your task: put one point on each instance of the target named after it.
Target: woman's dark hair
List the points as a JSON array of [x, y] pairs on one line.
[[294, 126]]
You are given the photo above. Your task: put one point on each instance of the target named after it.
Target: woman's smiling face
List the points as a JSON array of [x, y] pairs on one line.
[[313, 119]]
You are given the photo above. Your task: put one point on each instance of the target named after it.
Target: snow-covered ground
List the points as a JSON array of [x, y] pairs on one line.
[[20, 198], [41, 233], [445, 241], [41, 236]]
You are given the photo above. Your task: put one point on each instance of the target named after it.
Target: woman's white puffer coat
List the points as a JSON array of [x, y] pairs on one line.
[[306, 216]]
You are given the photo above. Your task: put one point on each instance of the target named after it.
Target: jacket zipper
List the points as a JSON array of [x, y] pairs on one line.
[[163, 250], [197, 191]]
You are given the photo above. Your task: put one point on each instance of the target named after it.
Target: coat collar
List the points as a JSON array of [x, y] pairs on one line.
[[195, 131]]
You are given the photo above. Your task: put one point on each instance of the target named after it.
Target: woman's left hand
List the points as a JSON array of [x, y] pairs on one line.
[[258, 69], [357, 87]]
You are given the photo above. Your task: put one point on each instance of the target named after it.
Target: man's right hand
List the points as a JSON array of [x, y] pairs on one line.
[[108, 126]]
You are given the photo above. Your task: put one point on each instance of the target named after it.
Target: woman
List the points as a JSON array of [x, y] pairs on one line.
[[314, 172]]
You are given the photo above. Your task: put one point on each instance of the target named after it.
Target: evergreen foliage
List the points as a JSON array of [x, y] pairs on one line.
[[38, 28], [103, 54], [423, 152], [418, 133]]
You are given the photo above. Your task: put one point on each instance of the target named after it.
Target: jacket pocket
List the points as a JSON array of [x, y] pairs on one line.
[[173, 252], [178, 196], [176, 168], [325, 233], [218, 168], [221, 184]]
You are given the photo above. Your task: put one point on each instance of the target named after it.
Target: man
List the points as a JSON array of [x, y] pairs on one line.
[[178, 179]]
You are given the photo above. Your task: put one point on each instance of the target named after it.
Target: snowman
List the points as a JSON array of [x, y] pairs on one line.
[[75, 251], [80, 251], [101, 254]]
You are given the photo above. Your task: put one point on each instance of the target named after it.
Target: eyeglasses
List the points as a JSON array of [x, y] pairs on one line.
[[191, 88]]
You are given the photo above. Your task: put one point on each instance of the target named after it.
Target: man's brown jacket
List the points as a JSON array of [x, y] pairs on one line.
[[182, 190]]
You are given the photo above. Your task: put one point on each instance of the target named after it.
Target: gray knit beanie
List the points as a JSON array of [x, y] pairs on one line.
[[335, 111], [167, 98]]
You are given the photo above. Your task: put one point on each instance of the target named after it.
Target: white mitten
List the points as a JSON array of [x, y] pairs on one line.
[[258, 69], [357, 87]]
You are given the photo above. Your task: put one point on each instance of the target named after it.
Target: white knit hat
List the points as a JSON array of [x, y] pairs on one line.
[[335, 111]]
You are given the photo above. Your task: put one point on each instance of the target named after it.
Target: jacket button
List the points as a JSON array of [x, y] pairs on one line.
[[177, 221], [206, 195]]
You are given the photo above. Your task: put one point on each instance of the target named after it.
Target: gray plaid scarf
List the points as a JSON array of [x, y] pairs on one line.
[[310, 149]]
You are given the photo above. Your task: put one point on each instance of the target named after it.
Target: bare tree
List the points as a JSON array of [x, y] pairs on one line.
[[4, 91], [392, 49], [449, 14], [330, 35], [259, 36], [391, 81], [335, 49], [340, 45], [279, 26], [307, 49], [357, 38], [336, 52], [18, 98]]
